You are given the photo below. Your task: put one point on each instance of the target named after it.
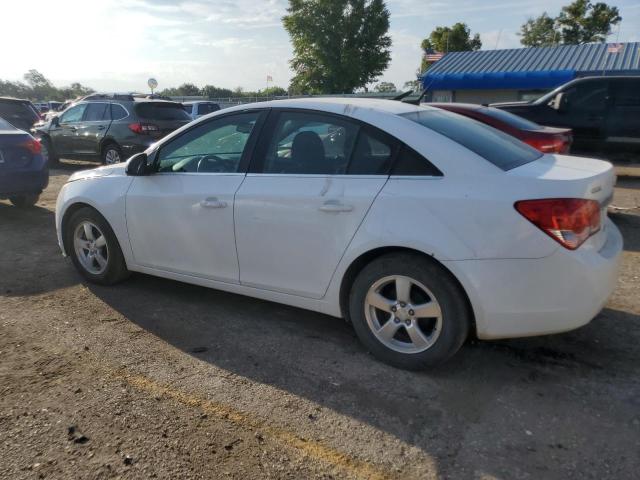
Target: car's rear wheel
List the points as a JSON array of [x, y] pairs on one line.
[[409, 311], [111, 153], [25, 201], [93, 248]]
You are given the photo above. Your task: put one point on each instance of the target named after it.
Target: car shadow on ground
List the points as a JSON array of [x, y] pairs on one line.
[[629, 225], [30, 260], [319, 358]]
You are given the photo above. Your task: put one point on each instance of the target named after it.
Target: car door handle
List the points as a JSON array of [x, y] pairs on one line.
[[212, 202], [332, 206], [101, 127]]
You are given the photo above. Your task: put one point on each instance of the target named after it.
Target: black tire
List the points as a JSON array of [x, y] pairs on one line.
[[116, 268], [27, 200], [111, 147], [456, 317], [52, 157]]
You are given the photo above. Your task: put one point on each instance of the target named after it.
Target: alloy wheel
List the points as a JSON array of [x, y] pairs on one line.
[[91, 248], [403, 314], [112, 156]]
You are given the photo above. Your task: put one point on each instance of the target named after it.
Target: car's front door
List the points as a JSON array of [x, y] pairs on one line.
[[180, 219], [64, 134], [93, 127], [312, 180], [585, 113]]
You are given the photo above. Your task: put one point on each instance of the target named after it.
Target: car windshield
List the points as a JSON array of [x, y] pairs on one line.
[[161, 111], [498, 148], [511, 119]]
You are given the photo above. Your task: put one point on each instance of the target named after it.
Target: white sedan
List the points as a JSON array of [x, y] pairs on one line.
[[419, 226]]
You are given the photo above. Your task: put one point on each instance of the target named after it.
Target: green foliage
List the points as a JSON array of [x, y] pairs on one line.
[[579, 22], [338, 45], [412, 85], [456, 38], [273, 92], [38, 88], [385, 87], [184, 90], [210, 91]]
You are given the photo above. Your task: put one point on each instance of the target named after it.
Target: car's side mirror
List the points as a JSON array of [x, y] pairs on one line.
[[560, 102], [137, 165], [55, 121]]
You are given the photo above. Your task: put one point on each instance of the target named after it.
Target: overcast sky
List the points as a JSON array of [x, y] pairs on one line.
[[116, 45]]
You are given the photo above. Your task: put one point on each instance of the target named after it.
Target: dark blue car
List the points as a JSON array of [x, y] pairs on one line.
[[24, 172]]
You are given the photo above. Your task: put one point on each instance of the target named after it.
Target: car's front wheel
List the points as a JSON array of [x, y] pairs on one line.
[[409, 311], [93, 247]]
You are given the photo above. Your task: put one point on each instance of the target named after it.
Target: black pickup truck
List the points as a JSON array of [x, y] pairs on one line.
[[603, 112]]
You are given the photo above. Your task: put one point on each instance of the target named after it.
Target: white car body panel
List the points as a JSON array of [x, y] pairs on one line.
[[518, 280]]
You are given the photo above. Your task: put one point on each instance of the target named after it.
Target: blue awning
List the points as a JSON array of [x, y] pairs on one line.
[[497, 80]]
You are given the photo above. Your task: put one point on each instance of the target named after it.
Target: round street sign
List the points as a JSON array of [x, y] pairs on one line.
[[152, 82]]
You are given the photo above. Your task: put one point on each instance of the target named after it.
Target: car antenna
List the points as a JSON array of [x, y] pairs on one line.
[[417, 100], [402, 95]]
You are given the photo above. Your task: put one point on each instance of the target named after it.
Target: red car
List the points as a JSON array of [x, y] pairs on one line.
[[545, 139]]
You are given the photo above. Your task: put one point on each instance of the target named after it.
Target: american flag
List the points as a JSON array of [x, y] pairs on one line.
[[614, 47], [433, 56], [269, 78]]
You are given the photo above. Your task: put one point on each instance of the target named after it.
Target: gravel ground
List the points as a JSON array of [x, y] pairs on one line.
[[157, 379]]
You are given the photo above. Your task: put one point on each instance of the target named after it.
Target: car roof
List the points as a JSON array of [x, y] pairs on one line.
[[14, 100], [340, 105]]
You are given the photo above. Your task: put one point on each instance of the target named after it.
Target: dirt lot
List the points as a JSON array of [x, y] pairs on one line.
[[157, 379]]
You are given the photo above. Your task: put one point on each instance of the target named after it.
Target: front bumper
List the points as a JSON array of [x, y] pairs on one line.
[[526, 297]]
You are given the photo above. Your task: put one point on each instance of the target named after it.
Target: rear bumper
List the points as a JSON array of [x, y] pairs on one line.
[[32, 179], [526, 297]]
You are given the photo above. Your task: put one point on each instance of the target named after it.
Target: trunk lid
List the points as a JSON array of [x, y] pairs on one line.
[[562, 176]]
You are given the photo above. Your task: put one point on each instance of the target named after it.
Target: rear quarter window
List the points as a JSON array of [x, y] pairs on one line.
[[496, 147], [161, 111]]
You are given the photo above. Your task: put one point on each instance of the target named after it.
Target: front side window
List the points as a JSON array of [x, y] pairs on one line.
[[587, 97], [498, 148], [213, 147], [96, 112], [310, 143], [74, 114]]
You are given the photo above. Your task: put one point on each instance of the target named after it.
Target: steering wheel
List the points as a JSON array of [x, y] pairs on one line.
[[211, 163]]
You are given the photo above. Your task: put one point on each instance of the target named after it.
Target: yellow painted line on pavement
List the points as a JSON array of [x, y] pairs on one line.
[[310, 448]]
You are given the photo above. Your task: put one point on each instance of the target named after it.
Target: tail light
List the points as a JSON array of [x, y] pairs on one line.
[[569, 221], [33, 145], [143, 128], [550, 144]]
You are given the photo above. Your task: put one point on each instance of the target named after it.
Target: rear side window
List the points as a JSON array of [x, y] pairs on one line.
[[411, 163], [161, 111], [498, 148], [118, 112], [4, 125], [16, 110], [205, 108], [96, 112], [626, 93], [511, 119]]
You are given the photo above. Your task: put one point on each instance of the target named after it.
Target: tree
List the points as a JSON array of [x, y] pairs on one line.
[[274, 92], [338, 45], [41, 87], [584, 22], [579, 22], [385, 87], [456, 38], [210, 91], [539, 32], [411, 85]]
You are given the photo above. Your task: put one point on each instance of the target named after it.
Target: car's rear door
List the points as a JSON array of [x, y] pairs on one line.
[[180, 219], [313, 179], [92, 129]]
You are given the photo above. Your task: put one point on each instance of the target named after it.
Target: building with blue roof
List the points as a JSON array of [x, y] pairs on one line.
[[487, 76]]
